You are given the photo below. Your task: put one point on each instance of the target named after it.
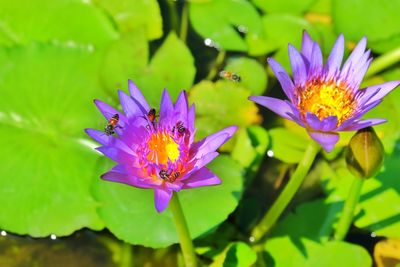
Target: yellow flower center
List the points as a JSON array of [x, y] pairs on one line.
[[162, 148], [326, 99]]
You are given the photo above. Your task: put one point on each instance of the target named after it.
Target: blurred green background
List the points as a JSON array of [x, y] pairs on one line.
[[56, 56]]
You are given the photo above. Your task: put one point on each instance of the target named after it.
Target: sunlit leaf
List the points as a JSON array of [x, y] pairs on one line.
[[237, 254], [287, 146], [45, 171], [130, 214], [277, 6], [222, 20]]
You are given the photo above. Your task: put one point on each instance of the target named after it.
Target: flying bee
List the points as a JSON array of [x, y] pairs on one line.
[[179, 126], [230, 76], [112, 125]]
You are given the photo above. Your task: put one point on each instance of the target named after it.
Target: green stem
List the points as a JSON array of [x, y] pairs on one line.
[[384, 61], [346, 218], [287, 194], [183, 232], [173, 20], [218, 61], [184, 22]]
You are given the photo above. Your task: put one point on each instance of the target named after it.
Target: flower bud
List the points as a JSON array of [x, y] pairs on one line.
[[365, 152]]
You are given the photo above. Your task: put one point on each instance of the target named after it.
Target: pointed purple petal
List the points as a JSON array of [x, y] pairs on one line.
[[307, 46], [109, 111], [166, 108], [162, 198], [376, 92], [137, 95], [283, 78], [316, 62], [181, 109], [326, 125], [335, 57], [280, 107], [129, 106], [125, 178], [357, 125], [355, 56], [203, 177], [212, 142], [106, 140], [326, 140], [119, 155], [298, 67], [203, 161]]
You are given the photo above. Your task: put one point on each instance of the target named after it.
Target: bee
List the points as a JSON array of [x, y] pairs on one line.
[[151, 115], [230, 76], [112, 125], [179, 126], [169, 177]]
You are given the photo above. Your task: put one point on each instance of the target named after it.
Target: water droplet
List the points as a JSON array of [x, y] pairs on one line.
[[3, 233], [252, 239], [373, 234], [242, 29], [270, 153], [211, 43], [53, 237]]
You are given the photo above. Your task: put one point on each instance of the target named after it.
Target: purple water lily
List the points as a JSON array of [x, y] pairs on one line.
[[157, 152], [326, 99]]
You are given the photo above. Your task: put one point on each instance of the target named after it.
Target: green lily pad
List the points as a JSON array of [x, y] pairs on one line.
[[277, 6], [252, 74], [127, 59], [278, 31], [46, 171], [236, 254], [38, 20], [222, 20], [130, 214], [283, 252], [313, 220], [381, 23], [222, 104], [135, 15], [287, 146]]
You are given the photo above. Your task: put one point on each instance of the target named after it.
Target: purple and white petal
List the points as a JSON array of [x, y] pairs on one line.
[[181, 109], [108, 140], [316, 62], [203, 177], [327, 140], [307, 46], [357, 125], [137, 95], [376, 92], [283, 78], [129, 106], [162, 196], [212, 142], [166, 108], [108, 112], [280, 107], [335, 58], [298, 66], [355, 56], [325, 125]]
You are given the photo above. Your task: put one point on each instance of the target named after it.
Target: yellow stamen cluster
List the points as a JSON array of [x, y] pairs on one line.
[[162, 148], [326, 99]]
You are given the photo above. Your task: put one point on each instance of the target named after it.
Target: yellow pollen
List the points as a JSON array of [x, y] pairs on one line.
[[162, 148], [326, 99]]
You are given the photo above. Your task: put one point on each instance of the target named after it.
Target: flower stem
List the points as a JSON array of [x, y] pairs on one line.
[[347, 215], [383, 62], [184, 22], [287, 194], [183, 232], [173, 20]]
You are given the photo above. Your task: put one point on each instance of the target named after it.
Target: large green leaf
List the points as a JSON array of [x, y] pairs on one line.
[[222, 20], [283, 252], [130, 213], [22, 21], [377, 19], [133, 15], [127, 59], [46, 172], [222, 104], [288, 6], [287, 145], [252, 74]]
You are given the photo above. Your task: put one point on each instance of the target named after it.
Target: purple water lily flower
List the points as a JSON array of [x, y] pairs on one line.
[[326, 99], [158, 153]]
